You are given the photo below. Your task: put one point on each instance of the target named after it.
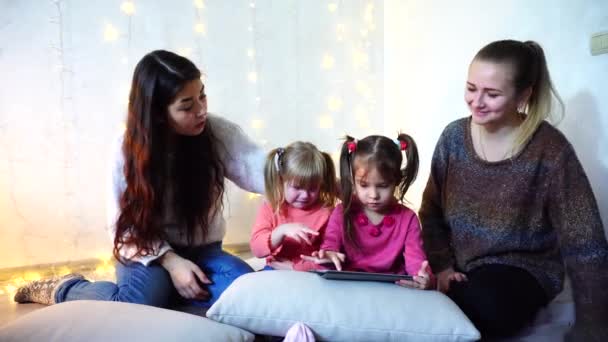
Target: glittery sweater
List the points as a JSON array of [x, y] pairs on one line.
[[535, 211]]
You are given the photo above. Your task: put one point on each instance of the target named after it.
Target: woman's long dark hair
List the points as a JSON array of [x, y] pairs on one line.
[[383, 154], [156, 159]]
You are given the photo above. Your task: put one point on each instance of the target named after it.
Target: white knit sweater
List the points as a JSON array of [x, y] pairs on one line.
[[244, 164]]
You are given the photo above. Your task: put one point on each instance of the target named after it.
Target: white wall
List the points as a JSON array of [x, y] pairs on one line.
[[429, 45], [63, 91]]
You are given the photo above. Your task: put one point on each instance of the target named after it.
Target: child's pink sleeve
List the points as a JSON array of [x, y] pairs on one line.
[[332, 240], [414, 253], [265, 223]]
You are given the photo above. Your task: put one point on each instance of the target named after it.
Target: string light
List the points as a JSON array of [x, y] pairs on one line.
[[128, 7], [199, 4], [257, 124], [332, 7], [252, 76], [200, 29], [110, 33], [186, 52], [253, 196], [334, 104], [328, 61], [326, 121]]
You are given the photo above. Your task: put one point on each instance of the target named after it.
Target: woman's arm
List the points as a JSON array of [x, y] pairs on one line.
[[436, 234], [574, 214], [244, 160]]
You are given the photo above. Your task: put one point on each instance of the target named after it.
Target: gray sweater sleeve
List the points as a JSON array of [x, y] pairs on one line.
[[574, 214], [242, 158]]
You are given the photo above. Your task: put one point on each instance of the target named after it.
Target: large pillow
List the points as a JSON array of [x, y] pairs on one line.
[[113, 321], [269, 302]]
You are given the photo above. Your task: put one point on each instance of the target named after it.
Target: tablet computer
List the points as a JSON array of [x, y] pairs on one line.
[[363, 276]]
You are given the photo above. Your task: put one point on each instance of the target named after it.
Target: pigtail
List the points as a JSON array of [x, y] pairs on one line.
[[347, 155], [329, 189], [272, 178], [410, 171]]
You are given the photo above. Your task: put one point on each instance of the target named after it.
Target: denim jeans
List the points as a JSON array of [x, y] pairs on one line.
[[152, 285]]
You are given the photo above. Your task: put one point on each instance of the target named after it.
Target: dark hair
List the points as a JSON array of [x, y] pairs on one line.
[[383, 154], [157, 159], [529, 71], [303, 164]]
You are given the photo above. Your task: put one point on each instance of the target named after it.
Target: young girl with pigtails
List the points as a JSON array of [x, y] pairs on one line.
[[301, 191], [371, 230]]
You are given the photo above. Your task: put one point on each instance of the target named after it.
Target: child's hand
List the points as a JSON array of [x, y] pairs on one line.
[[326, 257], [295, 231], [445, 277], [421, 281]]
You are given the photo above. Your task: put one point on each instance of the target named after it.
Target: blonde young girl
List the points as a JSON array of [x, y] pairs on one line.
[[300, 196], [371, 231]]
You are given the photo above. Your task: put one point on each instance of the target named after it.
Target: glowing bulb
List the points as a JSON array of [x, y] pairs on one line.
[[252, 196], [250, 53], [186, 52], [334, 104], [252, 77], [360, 59], [332, 7], [326, 121], [328, 61], [128, 7], [363, 89], [252, 4], [249, 28], [110, 33], [199, 4], [258, 99], [200, 28], [257, 124], [364, 32], [31, 276]]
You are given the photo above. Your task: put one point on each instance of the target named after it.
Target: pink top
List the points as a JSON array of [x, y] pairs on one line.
[[392, 246], [314, 218]]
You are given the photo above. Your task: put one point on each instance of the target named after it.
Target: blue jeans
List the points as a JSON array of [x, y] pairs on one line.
[[152, 285]]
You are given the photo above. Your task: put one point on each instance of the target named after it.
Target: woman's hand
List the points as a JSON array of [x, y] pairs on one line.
[[421, 281], [326, 257], [445, 277], [185, 276], [295, 231]]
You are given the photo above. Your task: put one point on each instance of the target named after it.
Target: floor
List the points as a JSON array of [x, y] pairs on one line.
[[92, 269]]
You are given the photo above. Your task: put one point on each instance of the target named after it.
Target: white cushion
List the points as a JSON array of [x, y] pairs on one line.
[[269, 302], [113, 321]]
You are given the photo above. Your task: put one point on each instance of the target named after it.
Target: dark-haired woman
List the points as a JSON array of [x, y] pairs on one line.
[[165, 211]]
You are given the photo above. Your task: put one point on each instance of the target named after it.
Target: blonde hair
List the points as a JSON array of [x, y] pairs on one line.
[[530, 72], [302, 164]]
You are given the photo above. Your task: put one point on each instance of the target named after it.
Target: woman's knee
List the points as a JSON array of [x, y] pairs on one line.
[[148, 285]]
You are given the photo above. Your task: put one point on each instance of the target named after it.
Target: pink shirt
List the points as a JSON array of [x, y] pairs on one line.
[[393, 246], [314, 218]]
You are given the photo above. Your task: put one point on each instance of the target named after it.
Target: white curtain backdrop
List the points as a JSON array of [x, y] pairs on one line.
[[284, 70]]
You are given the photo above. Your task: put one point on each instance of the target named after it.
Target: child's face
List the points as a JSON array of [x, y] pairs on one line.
[[299, 197], [373, 191]]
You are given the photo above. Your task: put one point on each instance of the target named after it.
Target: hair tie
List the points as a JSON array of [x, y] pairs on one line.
[[401, 144], [352, 146], [277, 158]]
